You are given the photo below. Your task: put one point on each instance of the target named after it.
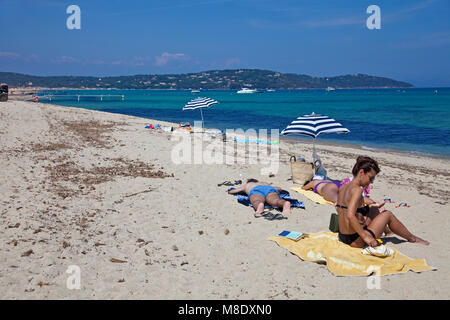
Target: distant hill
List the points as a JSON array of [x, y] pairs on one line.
[[214, 79]]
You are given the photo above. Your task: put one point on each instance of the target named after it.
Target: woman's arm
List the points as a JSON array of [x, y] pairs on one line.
[[355, 197], [309, 185], [375, 204], [368, 201]]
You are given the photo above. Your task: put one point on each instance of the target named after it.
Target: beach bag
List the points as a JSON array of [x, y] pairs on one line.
[[301, 171], [334, 223]]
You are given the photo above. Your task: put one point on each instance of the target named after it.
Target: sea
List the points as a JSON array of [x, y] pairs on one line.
[[415, 120]]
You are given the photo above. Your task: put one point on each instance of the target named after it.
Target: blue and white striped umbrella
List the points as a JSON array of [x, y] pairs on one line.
[[314, 125], [200, 103]]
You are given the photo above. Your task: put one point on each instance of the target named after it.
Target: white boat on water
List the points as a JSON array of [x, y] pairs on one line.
[[330, 89], [270, 90], [247, 90], [195, 91]]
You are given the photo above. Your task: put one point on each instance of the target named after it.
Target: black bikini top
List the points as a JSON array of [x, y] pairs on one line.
[[363, 210]]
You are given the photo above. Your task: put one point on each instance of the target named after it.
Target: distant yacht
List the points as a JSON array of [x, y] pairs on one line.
[[270, 90], [195, 91], [330, 89], [247, 90]]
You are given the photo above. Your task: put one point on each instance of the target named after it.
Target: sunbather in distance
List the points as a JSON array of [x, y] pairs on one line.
[[358, 224], [260, 193]]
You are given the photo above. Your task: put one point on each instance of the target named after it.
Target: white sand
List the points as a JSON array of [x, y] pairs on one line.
[[77, 196]]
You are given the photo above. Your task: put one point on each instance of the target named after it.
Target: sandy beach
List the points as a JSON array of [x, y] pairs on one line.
[[99, 191]]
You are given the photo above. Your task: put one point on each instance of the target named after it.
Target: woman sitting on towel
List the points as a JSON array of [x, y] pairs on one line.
[[358, 223], [329, 191]]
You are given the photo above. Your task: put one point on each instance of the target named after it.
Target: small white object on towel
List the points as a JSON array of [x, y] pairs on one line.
[[380, 251]]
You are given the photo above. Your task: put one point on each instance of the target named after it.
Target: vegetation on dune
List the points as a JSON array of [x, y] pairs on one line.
[[214, 79]]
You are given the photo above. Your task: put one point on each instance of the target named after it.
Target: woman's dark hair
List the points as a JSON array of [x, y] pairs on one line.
[[366, 164], [251, 180]]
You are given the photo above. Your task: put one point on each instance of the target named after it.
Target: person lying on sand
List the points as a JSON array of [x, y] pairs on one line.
[[260, 193], [326, 188], [358, 223], [329, 191]]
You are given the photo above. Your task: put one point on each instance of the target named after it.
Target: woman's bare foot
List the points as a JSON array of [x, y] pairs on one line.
[[420, 240]]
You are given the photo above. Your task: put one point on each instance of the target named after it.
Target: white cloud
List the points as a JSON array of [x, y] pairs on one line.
[[265, 24], [135, 62], [418, 6], [166, 57], [361, 19], [7, 54], [32, 58], [64, 59], [96, 61], [437, 39], [25, 58], [344, 21], [406, 12]]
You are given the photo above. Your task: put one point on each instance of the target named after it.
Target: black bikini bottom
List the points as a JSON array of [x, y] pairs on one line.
[[350, 238]]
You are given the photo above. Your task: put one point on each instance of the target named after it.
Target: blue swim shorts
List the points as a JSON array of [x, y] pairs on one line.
[[263, 190]]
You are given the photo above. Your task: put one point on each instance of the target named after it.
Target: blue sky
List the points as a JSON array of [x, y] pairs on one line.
[[319, 38]]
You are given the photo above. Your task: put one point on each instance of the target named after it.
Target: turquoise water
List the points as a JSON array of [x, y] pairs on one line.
[[409, 120]]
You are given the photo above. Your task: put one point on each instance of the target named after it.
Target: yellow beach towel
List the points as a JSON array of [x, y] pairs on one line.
[[311, 195], [343, 260]]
